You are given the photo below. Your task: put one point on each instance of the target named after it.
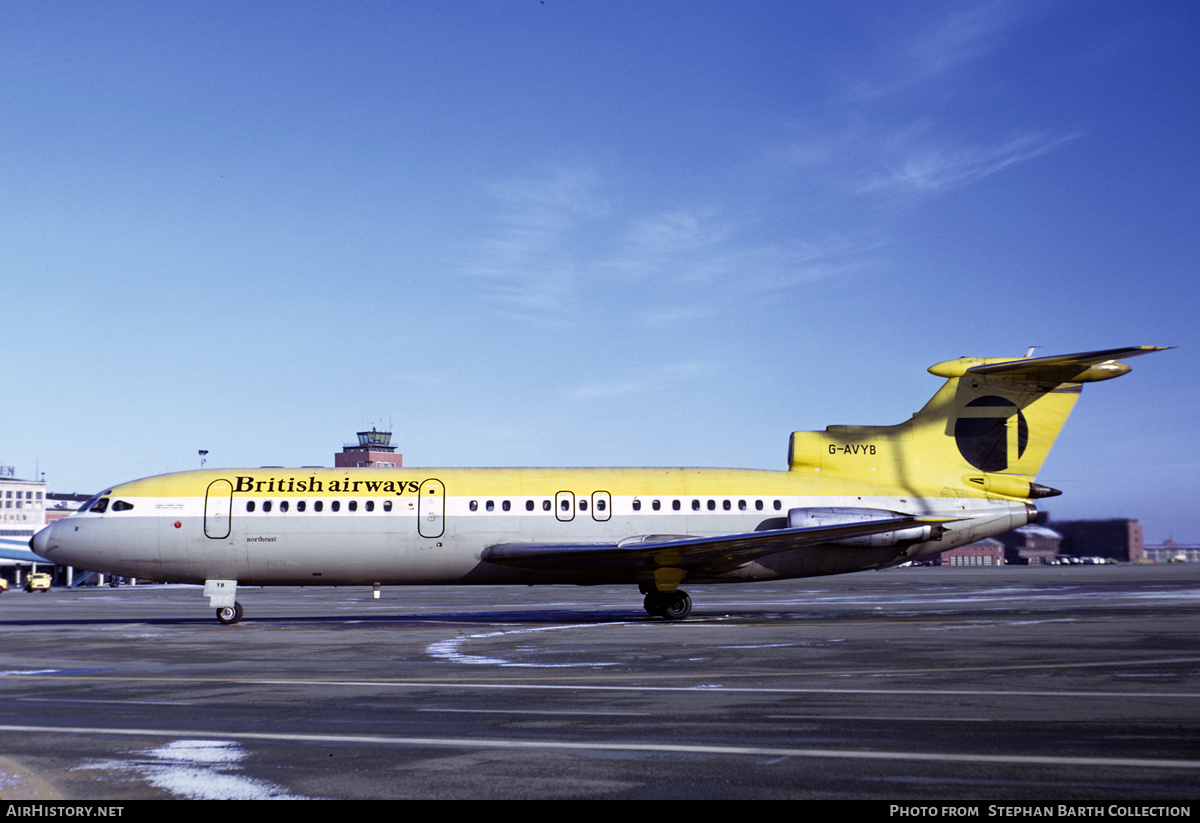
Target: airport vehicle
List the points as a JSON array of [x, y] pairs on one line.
[[37, 582], [3, 585], [852, 498]]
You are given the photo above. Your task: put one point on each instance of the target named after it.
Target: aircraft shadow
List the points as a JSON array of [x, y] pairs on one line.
[[350, 620]]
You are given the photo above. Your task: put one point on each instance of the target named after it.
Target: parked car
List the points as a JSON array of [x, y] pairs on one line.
[[39, 582]]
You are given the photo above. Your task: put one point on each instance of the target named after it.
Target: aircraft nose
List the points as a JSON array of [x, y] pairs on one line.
[[43, 542]]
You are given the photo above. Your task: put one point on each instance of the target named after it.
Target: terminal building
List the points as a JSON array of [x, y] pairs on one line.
[[22, 506], [1172, 552], [22, 512]]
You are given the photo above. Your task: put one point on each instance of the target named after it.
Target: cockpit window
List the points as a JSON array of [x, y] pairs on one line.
[[87, 505], [100, 506], [121, 506]]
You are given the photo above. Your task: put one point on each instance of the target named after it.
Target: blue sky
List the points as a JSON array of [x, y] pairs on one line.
[[590, 233]]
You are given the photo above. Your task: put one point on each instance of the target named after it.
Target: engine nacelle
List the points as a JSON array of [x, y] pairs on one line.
[[812, 518]]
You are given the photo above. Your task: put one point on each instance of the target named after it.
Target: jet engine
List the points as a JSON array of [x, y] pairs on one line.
[[814, 518]]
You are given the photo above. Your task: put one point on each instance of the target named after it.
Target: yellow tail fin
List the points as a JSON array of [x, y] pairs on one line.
[[985, 433]]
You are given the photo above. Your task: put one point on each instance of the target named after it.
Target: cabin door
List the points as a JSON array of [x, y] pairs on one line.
[[218, 502], [431, 508], [601, 505], [564, 506]]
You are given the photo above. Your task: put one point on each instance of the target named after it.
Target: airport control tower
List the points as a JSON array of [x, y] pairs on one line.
[[373, 451]]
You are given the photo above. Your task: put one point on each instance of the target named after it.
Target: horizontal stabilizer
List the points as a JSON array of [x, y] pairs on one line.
[[1084, 367]]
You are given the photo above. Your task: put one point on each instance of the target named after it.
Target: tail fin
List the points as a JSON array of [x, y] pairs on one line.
[[985, 433]]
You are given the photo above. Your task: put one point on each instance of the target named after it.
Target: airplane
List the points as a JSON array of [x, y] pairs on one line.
[[852, 498], [9, 551]]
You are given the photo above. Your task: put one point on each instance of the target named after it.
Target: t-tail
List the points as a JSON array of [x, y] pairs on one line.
[[985, 433]]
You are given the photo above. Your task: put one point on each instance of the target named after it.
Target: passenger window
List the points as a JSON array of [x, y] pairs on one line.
[[318, 506], [528, 505], [758, 505], [370, 505], [599, 505], [695, 505], [725, 505], [656, 505], [352, 505], [474, 506], [506, 505], [283, 505], [266, 505], [491, 506], [712, 505], [249, 505], [583, 505], [675, 505], [637, 505], [387, 505], [546, 505], [778, 505], [301, 505], [336, 505]]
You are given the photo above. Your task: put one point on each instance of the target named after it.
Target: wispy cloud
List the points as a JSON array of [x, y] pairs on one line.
[[940, 49], [899, 132], [724, 252], [895, 164], [677, 232], [559, 247], [532, 261], [927, 166], [643, 381], [664, 317]]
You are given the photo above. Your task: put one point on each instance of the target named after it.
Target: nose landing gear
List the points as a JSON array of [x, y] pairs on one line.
[[228, 615]]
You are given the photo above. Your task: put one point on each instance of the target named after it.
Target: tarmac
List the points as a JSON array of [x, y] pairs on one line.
[[1013, 684]]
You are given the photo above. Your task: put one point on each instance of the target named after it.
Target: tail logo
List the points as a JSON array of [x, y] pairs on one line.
[[983, 434]]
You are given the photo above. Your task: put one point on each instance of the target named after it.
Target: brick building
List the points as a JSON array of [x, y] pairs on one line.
[[1118, 539]]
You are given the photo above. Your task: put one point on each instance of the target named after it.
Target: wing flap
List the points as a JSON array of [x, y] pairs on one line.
[[679, 551]]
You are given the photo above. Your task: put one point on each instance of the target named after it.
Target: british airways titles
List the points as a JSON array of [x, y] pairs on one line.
[[248, 484]]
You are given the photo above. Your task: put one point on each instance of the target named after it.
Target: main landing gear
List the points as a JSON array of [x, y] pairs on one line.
[[229, 615], [674, 605]]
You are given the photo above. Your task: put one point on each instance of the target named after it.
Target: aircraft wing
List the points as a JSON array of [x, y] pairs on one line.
[[710, 554]]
